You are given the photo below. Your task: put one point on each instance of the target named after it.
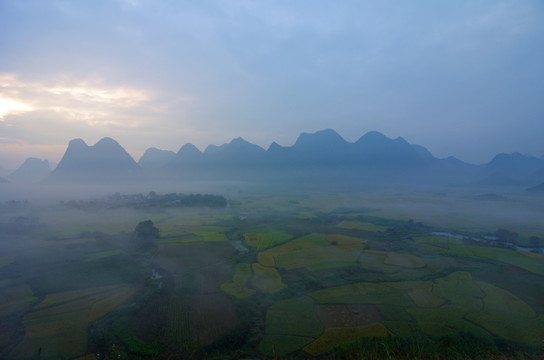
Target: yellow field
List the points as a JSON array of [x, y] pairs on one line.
[[265, 240], [509, 317], [314, 251], [266, 258], [238, 286], [210, 233], [59, 324], [267, 279]]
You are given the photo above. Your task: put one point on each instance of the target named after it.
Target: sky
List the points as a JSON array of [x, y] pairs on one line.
[[462, 78]]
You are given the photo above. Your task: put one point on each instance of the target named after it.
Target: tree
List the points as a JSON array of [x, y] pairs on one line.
[[504, 235], [147, 232], [536, 242]]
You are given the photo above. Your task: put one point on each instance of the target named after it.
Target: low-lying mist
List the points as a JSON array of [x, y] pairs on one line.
[[235, 269]]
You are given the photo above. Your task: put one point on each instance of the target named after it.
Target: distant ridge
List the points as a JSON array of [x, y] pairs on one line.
[[322, 158], [515, 164], [154, 158], [104, 162], [31, 171], [378, 148]]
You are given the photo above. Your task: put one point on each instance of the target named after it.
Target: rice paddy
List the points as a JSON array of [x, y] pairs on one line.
[[333, 337], [267, 279], [238, 286], [304, 282], [59, 322]]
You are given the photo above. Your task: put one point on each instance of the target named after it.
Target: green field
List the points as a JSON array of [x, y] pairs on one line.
[[59, 322], [333, 337], [290, 324], [366, 226], [291, 276], [238, 286], [266, 279], [265, 240]]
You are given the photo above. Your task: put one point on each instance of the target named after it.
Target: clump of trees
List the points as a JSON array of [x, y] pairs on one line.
[[506, 236], [536, 242], [152, 200], [182, 200], [147, 233]]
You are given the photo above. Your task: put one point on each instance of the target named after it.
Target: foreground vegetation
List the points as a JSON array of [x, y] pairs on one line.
[[274, 277]]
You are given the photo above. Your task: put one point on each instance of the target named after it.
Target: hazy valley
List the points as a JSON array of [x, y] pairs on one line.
[[323, 249]]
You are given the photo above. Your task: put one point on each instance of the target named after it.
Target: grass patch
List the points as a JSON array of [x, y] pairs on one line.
[[508, 316], [295, 317], [212, 316], [281, 345], [439, 241], [330, 265], [516, 258], [460, 290], [403, 260], [267, 258], [267, 279], [344, 241], [458, 346], [59, 325], [421, 293], [238, 286], [185, 238], [443, 320], [266, 235], [314, 256], [134, 345], [102, 254], [358, 225], [362, 293], [333, 337], [375, 261], [402, 328], [266, 240], [290, 325], [340, 315], [210, 233], [178, 325], [15, 298], [314, 251]]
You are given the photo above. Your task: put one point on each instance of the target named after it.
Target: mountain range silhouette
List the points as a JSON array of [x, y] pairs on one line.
[[323, 157]]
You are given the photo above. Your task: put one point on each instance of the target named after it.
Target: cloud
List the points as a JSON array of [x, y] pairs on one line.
[[91, 101], [44, 114], [163, 73]]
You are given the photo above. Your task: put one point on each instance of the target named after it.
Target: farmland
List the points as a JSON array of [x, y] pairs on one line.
[[269, 276]]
